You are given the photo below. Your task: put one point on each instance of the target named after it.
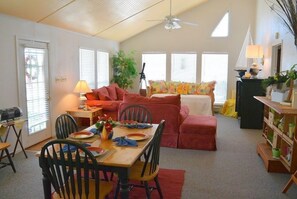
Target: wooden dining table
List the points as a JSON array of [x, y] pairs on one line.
[[118, 159]]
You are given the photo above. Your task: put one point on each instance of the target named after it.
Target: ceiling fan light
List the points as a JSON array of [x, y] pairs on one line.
[[175, 25], [168, 26]]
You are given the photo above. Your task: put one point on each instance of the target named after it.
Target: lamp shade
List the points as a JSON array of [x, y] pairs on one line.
[[82, 87], [254, 51]]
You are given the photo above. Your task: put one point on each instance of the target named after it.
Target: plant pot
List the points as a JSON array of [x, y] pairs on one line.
[[276, 153]]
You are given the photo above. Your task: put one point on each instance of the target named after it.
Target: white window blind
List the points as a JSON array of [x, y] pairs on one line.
[[183, 67], [94, 67], [215, 67], [155, 66], [87, 66], [36, 88], [103, 69]]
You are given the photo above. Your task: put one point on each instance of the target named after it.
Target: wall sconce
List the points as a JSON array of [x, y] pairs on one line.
[[82, 88], [255, 52]]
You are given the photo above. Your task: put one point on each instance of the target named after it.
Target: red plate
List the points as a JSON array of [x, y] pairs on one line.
[[96, 151], [137, 136], [81, 135]]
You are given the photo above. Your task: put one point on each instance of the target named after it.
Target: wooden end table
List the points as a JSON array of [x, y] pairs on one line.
[[80, 113]]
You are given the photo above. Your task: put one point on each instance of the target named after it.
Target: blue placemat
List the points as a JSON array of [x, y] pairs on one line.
[[139, 126], [73, 148], [120, 141]]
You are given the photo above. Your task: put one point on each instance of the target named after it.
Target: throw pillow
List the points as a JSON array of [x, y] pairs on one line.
[[102, 93], [205, 87], [182, 88], [112, 91], [91, 96], [158, 86], [120, 93]]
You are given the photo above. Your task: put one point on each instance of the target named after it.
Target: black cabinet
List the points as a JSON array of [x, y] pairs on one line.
[[250, 110]]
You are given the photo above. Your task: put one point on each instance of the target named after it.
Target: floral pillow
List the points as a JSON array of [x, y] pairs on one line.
[[158, 86], [205, 88], [182, 88]]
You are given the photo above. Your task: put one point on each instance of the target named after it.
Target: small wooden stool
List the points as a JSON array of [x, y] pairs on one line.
[[4, 146]]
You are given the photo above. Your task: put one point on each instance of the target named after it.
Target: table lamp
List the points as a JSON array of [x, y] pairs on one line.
[[82, 87], [254, 52]]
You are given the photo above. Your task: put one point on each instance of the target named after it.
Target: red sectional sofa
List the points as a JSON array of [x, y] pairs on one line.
[[181, 129], [168, 108]]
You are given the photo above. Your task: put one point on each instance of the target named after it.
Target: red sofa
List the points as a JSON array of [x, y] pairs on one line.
[[181, 129], [168, 108], [108, 98]]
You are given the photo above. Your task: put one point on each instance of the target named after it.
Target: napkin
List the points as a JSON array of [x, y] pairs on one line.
[[73, 148], [95, 131], [121, 141], [139, 126]]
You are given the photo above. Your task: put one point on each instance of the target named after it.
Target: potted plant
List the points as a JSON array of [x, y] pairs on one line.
[[124, 69], [284, 78]]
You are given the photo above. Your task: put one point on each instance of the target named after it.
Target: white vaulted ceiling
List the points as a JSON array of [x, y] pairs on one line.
[[111, 19]]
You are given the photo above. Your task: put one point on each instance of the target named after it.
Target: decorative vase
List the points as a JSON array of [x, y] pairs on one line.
[[104, 134]]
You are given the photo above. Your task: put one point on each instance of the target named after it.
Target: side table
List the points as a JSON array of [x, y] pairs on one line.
[[80, 113]]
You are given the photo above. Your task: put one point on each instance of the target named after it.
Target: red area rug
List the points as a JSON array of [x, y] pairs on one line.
[[171, 182]]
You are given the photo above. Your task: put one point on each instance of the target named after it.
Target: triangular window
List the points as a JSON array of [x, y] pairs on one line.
[[222, 29]]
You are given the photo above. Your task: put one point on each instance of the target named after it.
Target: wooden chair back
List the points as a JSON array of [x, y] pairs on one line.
[[68, 170], [65, 125], [136, 113], [152, 155]]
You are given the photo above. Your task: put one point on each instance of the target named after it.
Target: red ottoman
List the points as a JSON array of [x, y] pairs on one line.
[[198, 132]]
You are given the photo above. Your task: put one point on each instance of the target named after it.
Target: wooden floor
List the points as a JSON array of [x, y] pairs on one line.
[[37, 147]]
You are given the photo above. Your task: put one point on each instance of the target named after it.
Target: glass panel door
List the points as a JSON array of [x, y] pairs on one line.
[[33, 81]]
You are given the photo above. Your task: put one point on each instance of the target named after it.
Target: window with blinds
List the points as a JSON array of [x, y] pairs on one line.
[[155, 66], [183, 67], [215, 67], [94, 67], [36, 89]]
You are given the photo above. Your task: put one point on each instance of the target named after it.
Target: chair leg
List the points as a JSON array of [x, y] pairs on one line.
[[10, 160], [158, 186], [116, 194], [147, 190], [290, 182]]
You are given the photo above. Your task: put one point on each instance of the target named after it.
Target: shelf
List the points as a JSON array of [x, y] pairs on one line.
[[271, 164], [281, 109], [274, 114]]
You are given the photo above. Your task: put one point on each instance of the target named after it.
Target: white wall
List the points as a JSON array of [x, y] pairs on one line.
[[268, 23], [64, 60], [198, 39]]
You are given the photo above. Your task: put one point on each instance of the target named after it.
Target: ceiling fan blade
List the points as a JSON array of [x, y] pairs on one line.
[[155, 20], [189, 23]]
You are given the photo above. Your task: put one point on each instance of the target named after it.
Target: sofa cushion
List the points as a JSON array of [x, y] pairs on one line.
[[158, 86], [120, 93], [137, 99], [91, 96], [112, 91], [205, 88], [102, 93]]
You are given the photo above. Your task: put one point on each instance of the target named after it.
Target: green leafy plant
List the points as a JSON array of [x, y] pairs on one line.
[[124, 69]]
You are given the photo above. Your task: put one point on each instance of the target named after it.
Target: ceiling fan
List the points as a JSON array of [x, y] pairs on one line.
[[172, 22]]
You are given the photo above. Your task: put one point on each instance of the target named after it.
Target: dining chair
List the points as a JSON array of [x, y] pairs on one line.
[[137, 113], [4, 147], [147, 170], [67, 164], [65, 125]]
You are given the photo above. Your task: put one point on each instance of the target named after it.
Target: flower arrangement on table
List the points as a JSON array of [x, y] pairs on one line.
[[105, 125]]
